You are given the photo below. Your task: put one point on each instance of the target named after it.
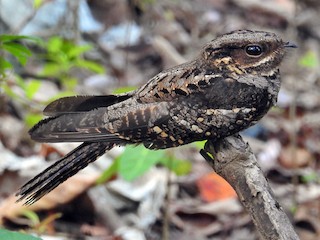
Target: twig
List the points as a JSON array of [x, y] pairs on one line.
[[167, 51], [73, 8], [235, 162]]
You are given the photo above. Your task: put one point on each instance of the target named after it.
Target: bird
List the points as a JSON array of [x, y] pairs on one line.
[[227, 88]]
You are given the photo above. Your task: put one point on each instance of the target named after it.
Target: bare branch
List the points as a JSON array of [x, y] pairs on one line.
[[234, 161]]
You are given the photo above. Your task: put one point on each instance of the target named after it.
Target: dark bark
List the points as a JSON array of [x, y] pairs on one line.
[[233, 160]]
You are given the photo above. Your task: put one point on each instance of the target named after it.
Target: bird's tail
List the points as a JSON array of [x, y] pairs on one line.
[[57, 173]]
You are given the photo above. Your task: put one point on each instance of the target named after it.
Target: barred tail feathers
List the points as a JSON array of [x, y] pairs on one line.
[[57, 173]]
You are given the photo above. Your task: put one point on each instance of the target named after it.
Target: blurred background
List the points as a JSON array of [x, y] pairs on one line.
[[55, 48]]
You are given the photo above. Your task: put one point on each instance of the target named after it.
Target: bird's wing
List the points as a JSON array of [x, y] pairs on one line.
[[121, 118], [118, 123], [178, 82], [77, 104]]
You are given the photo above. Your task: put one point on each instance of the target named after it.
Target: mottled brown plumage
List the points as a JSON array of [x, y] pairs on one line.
[[227, 88]]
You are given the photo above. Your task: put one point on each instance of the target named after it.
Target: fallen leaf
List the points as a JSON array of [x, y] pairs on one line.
[[293, 158], [64, 193], [213, 188]]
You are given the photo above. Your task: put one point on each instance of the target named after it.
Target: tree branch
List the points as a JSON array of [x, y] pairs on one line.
[[234, 161]]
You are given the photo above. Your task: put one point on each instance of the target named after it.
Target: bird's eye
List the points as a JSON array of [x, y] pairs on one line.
[[254, 50]]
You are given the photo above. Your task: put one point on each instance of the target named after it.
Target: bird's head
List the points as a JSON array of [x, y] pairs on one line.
[[245, 51]]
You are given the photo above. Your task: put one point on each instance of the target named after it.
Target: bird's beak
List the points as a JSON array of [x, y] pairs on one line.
[[290, 45]]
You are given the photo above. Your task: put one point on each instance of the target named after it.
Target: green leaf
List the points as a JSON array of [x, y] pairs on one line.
[[18, 50], [37, 3], [92, 66], [78, 50], [32, 87], [135, 161], [293, 209], [309, 60], [54, 44], [200, 144], [8, 91], [311, 177], [4, 64], [52, 69], [31, 119], [10, 38], [178, 166], [31, 215], [109, 173], [10, 235], [70, 83], [21, 83], [123, 89]]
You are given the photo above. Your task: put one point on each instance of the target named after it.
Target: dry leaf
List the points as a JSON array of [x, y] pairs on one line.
[[213, 187], [64, 193], [295, 158]]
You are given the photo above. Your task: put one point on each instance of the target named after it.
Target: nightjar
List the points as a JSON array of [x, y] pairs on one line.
[[230, 86]]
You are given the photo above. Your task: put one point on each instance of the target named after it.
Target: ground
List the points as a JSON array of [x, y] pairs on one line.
[[131, 41]]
